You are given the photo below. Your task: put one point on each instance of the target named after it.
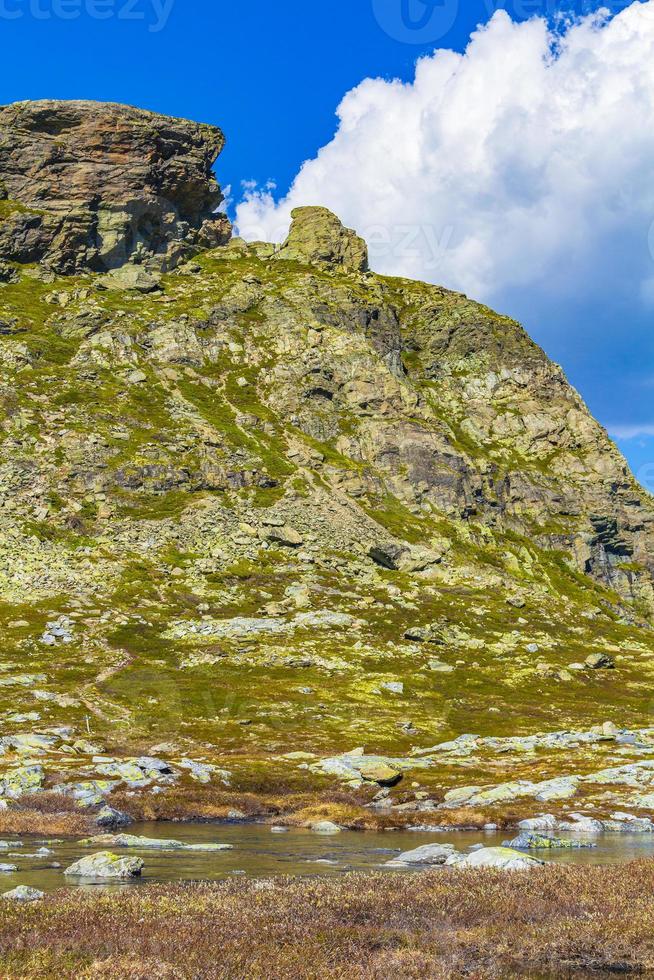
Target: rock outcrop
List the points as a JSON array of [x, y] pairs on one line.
[[96, 185], [317, 236]]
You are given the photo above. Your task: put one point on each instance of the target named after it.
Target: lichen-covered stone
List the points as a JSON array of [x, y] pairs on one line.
[[99, 183], [380, 772], [105, 865], [23, 893], [317, 236], [21, 781], [543, 842], [502, 858]]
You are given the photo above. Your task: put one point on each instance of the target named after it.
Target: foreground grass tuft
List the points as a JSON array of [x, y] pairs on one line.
[[557, 922]]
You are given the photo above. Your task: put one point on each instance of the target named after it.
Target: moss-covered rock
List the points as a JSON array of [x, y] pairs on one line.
[[105, 865]]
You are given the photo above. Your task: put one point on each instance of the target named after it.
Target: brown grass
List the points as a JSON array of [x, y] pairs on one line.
[[50, 814], [557, 922], [345, 814], [295, 809], [206, 803]]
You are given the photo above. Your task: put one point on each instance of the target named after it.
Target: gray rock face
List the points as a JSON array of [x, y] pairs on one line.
[[99, 184]]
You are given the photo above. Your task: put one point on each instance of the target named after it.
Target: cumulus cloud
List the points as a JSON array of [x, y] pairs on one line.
[[525, 163]]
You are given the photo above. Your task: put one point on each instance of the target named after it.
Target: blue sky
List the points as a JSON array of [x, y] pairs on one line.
[[272, 76]]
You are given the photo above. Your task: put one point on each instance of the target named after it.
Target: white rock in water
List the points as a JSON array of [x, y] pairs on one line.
[[325, 827], [149, 843], [104, 864], [427, 854], [504, 858], [23, 894]]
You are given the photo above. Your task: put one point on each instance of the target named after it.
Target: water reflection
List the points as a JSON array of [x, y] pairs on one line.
[[258, 852]]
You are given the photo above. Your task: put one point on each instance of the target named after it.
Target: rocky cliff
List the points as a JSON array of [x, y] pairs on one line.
[[256, 498], [93, 186]]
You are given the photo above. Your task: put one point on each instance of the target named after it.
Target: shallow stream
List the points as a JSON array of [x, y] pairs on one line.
[[260, 852]]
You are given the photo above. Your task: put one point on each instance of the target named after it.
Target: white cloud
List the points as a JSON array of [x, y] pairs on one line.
[[631, 431], [506, 168]]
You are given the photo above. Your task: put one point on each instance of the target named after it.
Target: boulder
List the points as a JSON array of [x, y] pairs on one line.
[[109, 817], [542, 842], [8, 273], [325, 827], [599, 661], [21, 781], [131, 277], [380, 772], [425, 634], [580, 824], [546, 821], [285, 536], [387, 554], [317, 236], [106, 865], [428, 854], [23, 894], [503, 858]]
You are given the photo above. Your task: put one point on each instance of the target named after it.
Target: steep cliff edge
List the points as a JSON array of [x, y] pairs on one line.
[[95, 185], [264, 500]]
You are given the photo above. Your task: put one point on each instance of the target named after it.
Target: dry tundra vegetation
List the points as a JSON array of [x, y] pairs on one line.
[[52, 814], [557, 922]]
